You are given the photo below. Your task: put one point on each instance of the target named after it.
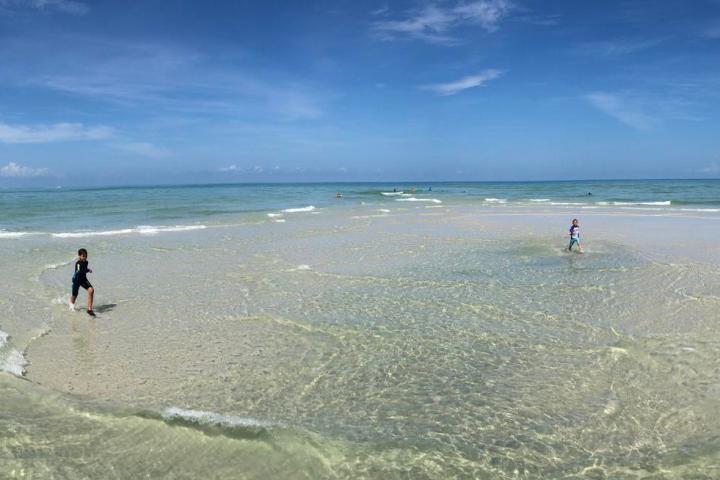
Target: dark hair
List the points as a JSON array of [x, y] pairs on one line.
[[82, 251], [574, 220]]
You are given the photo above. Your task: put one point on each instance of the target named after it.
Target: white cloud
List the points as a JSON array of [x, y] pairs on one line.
[[457, 86], [59, 132], [708, 28], [617, 108], [144, 149], [170, 79], [257, 169], [613, 48], [231, 168], [63, 6], [434, 22], [14, 170]]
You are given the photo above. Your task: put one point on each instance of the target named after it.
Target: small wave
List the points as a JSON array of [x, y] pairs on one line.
[[303, 267], [273, 215], [303, 209], [55, 266], [150, 230], [539, 199], [496, 200], [91, 233], [211, 422], [11, 360], [697, 209], [413, 199], [142, 229], [279, 220], [383, 210], [663, 203], [567, 204], [391, 194], [6, 234]]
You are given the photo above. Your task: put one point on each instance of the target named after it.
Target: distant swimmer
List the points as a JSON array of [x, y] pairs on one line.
[[338, 195], [589, 194], [79, 279], [575, 236], [394, 189], [429, 189]]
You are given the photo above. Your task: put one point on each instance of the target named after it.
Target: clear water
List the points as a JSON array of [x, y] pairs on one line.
[[367, 338]]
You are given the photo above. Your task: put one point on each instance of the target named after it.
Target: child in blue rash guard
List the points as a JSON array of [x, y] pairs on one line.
[[575, 235], [79, 279]]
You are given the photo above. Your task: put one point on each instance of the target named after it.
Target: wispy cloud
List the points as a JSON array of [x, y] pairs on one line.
[[381, 10], [612, 48], [255, 169], [473, 81], [434, 22], [712, 169], [619, 109], [144, 149], [59, 132], [712, 31], [171, 79], [63, 6], [14, 170]]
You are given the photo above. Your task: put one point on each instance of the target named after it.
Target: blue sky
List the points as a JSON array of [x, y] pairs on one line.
[[175, 92]]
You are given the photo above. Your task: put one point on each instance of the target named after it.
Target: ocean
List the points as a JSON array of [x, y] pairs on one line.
[[435, 330], [71, 210]]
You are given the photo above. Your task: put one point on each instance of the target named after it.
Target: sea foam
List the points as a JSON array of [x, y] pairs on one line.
[[6, 234], [202, 417], [309, 208], [663, 203], [414, 199], [142, 229], [11, 360]]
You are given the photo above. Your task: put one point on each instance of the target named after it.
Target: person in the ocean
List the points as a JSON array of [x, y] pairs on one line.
[[79, 279], [575, 235], [338, 195]]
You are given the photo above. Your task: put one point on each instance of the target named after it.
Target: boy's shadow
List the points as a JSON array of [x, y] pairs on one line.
[[108, 307]]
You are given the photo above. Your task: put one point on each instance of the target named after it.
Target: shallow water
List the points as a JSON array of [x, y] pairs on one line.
[[415, 343]]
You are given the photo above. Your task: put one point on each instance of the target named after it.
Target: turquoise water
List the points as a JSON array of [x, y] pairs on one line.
[[443, 334], [69, 210]]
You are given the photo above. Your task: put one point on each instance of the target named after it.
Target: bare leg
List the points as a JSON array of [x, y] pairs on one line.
[[91, 293]]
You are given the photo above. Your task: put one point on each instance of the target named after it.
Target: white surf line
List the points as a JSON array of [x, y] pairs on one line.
[[309, 208], [202, 417]]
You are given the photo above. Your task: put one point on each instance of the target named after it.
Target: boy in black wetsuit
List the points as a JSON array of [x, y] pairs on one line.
[[79, 279]]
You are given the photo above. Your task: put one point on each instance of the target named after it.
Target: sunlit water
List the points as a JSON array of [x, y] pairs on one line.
[[370, 339]]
